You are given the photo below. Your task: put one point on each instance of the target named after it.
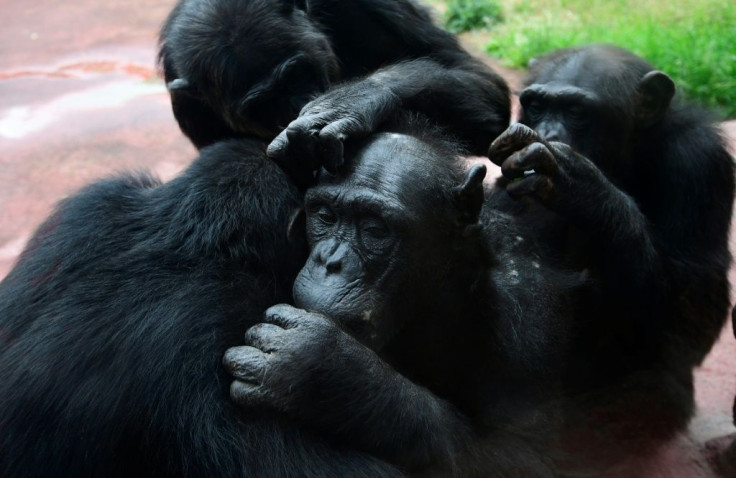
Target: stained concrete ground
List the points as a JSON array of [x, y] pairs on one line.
[[80, 99]]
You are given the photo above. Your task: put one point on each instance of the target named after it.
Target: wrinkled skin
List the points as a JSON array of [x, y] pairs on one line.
[[316, 138], [288, 336], [549, 171]]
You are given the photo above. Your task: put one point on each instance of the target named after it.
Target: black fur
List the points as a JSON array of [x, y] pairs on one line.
[[115, 319]]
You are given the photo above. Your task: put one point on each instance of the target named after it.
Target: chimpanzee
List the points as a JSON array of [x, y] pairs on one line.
[[248, 67], [457, 328], [116, 317], [640, 189]]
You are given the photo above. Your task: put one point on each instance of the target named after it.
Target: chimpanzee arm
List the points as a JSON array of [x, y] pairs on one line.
[[469, 100], [438, 77], [304, 364], [625, 246]]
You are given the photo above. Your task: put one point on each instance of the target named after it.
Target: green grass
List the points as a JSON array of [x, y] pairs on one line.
[[694, 41], [464, 15]]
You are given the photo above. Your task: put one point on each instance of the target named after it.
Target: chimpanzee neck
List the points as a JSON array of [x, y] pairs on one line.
[[445, 327], [465, 275]]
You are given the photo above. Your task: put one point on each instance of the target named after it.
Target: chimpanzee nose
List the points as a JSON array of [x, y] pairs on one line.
[[336, 257], [331, 254], [549, 133], [551, 136], [333, 265]]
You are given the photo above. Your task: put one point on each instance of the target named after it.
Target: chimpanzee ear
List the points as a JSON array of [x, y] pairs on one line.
[[296, 232], [181, 86], [656, 90], [469, 195]]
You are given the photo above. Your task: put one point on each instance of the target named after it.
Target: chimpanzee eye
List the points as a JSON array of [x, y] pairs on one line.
[[325, 215], [576, 113], [374, 228]]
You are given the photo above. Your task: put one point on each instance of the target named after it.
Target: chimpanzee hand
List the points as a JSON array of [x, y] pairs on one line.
[[316, 137], [549, 171], [294, 361]]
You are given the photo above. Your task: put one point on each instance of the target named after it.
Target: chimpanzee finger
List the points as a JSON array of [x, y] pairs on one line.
[[536, 157], [332, 152], [516, 137], [245, 363], [264, 337], [283, 315], [279, 146], [332, 138], [299, 172], [295, 150], [303, 136], [246, 394], [287, 316], [537, 185]]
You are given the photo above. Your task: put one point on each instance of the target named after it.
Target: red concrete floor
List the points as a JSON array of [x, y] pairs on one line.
[[80, 99]]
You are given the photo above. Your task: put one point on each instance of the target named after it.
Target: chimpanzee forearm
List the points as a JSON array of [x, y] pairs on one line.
[[624, 243], [303, 364], [621, 240], [387, 415], [470, 99]]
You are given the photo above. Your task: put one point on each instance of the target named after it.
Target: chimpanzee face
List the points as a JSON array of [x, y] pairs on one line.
[[596, 100], [380, 233], [356, 229], [559, 112], [577, 117]]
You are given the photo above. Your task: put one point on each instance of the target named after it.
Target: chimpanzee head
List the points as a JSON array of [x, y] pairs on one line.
[[253, 63], [597, 99], [386, 232]]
